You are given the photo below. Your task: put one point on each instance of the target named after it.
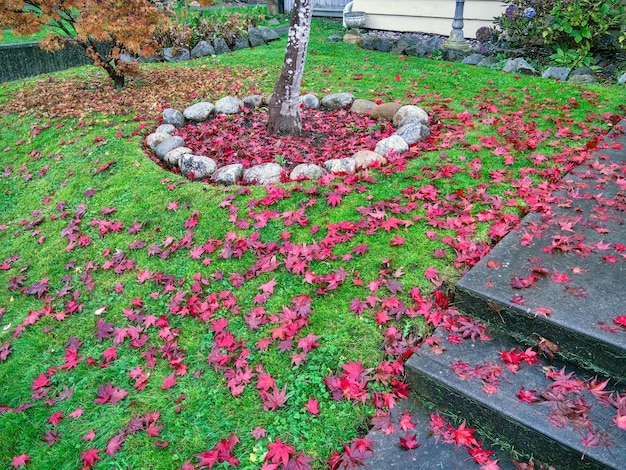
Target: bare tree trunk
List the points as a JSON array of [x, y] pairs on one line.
[[284, 108]]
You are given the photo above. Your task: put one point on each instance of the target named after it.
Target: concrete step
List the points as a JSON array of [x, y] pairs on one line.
[[431, 454], [484, 392], [562, 276]]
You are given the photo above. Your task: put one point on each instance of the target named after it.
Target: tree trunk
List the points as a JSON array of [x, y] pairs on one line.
[[284, 107]]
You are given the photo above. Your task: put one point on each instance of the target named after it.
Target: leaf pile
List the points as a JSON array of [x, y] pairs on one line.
[[243, 138]]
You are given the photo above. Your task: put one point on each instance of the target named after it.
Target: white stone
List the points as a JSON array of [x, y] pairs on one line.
[[337, 101], [228, 105], [168, 144], [154, 139], [172, 157], [167, 128], [229, 174], [366, 158], [410, 110], [199, 112], [340, 165], [201, 167], [265, 173], [392, 144], [412, 133], [307, 171]]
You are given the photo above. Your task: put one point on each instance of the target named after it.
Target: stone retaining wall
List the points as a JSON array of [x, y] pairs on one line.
[[24, 60]]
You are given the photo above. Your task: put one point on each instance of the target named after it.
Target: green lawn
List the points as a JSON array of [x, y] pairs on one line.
[[100, 283]]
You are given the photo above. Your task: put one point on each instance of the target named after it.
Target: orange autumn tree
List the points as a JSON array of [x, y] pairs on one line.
[[104, 28]]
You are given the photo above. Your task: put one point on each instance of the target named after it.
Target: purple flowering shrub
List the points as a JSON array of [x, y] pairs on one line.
[[571, 29]]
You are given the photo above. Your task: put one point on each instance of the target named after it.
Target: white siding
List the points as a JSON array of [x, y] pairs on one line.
[[322, 6], [428, 16]]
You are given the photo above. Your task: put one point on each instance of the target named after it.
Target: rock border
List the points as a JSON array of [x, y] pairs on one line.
[[254, 37], [411, 45], [411, 122]]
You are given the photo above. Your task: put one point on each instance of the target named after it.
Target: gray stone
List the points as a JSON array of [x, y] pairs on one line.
[[417, 50], [229, 174], [520, 66], [473, 59], [488, 62], [385, 45], [582, 75], [407, 111], [582, 71], [360, 106], [307, 171], [310, 101], [197, 166], [228, 105], [154, 139], [199, 112], [409, 120], [390, 145], [582, 79], [168, 144], [409, 39], [273, 22], [241, 43], [412, 133], [266, 173], [421, 47], [176, 54], [366, 158], [337, 101], [255, 37], [267, 99], [340, 165], [454, 55], [220, 46], [622, 80], [127, 58], [174, 117], [377, 43], [167, 128], [202, 49], [558, 73], [253, 101], [172, 157], [335, 38], [370, 42], [399, 47], [268, 34]]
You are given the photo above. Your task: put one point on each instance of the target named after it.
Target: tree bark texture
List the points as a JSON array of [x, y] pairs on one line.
[[284, 107]]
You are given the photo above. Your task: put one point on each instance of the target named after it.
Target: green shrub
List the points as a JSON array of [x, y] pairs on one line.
[[574, 30], [188, 29]]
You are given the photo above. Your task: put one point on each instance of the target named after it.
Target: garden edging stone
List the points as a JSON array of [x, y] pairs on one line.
[[411, 122]]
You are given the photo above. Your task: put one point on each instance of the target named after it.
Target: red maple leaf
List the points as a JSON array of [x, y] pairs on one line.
[[89, 457], [109, 394], [620, 320], [279, 452], [308, 342], [409, 441], [115, 444], [312, 406], [464, 436], [169, 382], [275, 399], [20, 460]]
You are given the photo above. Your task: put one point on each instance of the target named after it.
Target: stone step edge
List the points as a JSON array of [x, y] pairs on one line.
[[435, 383], [577, 346]]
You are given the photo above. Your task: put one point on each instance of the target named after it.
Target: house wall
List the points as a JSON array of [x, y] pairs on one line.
[[428, 16], [322, 7]]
